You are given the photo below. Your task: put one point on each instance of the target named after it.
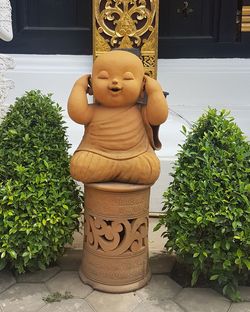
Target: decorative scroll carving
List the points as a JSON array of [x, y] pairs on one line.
[[116, 237], [127, 24], [6, 32], [6, 63]]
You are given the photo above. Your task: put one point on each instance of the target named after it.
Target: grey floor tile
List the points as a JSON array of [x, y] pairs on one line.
[[245, 293], [70, 305], [6, 280], [104, 302], [40, 276], [69, 281], [166, 306], [240, 307], [160, 287], [23, 297], [202, 300]]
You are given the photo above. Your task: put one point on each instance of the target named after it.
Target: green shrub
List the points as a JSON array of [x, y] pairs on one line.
[[39, 202], [207, 211]]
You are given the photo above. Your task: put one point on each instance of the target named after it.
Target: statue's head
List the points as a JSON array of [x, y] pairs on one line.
[[117, 79]]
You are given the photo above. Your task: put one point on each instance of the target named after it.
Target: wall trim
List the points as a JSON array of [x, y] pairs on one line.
[[51, 63], [228, 65], [72, 63]]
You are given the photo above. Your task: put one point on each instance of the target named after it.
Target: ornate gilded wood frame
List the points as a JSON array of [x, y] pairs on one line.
[[245, 22], [127, 24]]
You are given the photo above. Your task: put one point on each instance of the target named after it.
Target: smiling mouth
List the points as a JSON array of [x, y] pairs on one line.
[[115, 89]]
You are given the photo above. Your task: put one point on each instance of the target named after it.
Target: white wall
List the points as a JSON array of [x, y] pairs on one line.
[[193, 84]]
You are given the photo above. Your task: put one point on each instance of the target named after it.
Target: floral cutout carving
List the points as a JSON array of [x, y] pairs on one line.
[[116, 237], [127, 24]]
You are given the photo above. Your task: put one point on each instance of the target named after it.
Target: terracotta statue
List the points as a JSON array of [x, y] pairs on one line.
[[120, 133]]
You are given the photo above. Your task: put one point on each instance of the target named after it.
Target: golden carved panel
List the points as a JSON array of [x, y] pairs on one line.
[[245, 22], [127, 24]]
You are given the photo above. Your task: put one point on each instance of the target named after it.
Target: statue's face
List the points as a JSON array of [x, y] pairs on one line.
[[117, 79]]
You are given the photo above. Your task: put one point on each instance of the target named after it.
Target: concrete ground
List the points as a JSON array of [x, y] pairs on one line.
[[59, 289]]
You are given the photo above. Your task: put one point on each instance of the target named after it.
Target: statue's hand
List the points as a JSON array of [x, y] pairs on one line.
[[84, 82], [157, 108], [151, 85]]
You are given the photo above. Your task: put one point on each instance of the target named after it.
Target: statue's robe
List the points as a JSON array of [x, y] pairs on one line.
[[118, 148]]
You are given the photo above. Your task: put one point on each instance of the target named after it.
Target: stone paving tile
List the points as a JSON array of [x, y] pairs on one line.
[[40, 276], [240, 307], [71, 260], [6, 280], [160, 288], [70, 305], [69, 281], [202, 300], [23, 297], [161, 262], [104, 302], [245, 293], [166, 306]]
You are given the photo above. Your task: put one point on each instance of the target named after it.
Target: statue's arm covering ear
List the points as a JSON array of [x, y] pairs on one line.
[[156, 108], [78, 108], [155, 112], [152, 131]]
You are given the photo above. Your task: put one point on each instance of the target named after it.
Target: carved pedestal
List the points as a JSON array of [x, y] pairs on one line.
[[115, 250]]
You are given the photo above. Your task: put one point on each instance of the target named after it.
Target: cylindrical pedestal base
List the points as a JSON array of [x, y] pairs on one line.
[[115, 249]]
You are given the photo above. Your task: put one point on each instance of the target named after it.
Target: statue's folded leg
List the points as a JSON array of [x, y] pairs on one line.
[[89, 167], [143, 169]]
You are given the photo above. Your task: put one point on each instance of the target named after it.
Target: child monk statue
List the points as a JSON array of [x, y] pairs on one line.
[[120, 134]]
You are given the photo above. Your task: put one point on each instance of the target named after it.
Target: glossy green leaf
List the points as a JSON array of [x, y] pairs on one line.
[[206, 206], [35, 184]]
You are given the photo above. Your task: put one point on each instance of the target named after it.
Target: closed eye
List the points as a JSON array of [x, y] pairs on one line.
[[103, 75], [128, 76]]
